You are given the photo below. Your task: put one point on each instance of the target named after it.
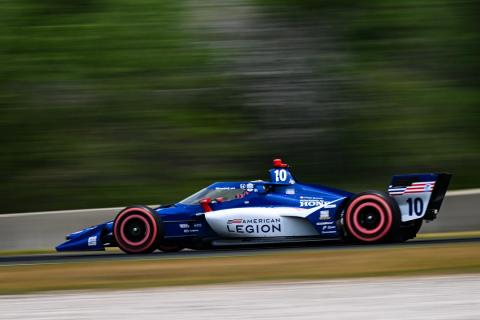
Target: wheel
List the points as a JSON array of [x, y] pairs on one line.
[[137, 229], [372, 217], [170, 247]]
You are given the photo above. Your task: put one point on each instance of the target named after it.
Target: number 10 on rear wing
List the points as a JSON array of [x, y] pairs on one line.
[[419, 196]]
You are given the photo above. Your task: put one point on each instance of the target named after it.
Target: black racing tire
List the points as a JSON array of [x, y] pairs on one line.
[[138, 229], [372, 217]]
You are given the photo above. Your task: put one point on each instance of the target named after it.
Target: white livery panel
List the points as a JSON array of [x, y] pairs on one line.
[[259, 222], [413, 199]]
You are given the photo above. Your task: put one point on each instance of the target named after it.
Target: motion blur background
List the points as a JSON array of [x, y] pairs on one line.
[[109, 103]]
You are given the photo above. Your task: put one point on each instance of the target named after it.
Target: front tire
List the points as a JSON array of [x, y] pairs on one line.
[[137, 229], [372, 217]]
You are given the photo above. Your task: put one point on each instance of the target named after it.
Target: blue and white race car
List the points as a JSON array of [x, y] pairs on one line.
[[281, 210]]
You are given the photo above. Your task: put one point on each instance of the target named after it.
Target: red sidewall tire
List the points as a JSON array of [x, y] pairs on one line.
[[146, 217], [387, 216]]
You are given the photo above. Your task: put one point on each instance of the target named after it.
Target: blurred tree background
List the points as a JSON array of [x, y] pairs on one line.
[[109, 103]]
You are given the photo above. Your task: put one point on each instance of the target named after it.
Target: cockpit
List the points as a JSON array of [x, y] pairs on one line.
[[218, 194]]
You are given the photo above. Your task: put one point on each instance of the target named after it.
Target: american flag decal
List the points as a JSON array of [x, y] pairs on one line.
[[416, 187], [234, 221]]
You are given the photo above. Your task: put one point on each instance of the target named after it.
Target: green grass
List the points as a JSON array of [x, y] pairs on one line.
[[301, 265], [25, 252], [449, 235], [421, 236]]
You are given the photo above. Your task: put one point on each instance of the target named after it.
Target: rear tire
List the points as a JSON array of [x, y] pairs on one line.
[[372, 217], [137, 229]]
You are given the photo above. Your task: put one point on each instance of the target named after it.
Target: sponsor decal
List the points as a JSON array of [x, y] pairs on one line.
[[249, 187], [317, 203], [328, 228], [92, 241], [187, 227], [290, 191], [254, 225], [234, 221], [325, 223], [254, 220], [225, 188], [332, 231], [324, 215]]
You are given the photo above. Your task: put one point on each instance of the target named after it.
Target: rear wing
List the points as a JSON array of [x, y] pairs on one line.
[[419, 196]]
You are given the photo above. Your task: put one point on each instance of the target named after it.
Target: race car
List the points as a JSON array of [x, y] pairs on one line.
[[280, 210]]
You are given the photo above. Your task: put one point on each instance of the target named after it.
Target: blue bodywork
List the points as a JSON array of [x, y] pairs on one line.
[[184, 221]]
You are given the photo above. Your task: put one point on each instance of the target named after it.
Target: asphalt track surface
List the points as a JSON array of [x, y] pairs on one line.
[[432, 298], [331, 245]]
